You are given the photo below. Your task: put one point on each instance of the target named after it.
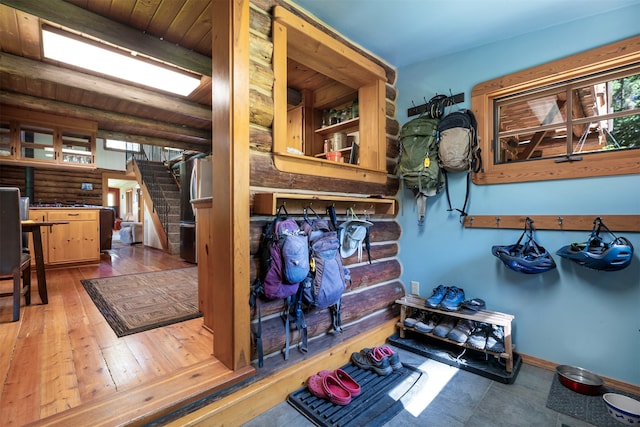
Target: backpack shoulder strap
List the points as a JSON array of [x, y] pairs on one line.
[[256, 288]]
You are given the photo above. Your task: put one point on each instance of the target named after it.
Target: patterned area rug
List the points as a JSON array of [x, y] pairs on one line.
[[139, 302]]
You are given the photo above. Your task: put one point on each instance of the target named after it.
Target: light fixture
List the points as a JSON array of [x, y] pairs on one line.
[[73, 51]]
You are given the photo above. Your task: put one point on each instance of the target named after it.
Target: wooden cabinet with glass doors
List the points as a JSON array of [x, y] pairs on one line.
[[29, 137]]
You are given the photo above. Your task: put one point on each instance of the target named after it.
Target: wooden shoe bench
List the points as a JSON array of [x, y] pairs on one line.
[[411, 304]]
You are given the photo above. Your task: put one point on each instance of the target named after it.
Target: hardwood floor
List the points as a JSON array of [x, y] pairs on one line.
[[64, 355]]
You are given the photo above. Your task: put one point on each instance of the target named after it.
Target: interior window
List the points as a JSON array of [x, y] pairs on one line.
[[575, 117], [602, 112], [329, 104]]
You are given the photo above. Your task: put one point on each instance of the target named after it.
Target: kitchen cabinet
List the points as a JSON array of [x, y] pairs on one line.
[[35, 138], [77, 242]]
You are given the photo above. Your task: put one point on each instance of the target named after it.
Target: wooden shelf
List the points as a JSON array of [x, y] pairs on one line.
[[486, 316], [615, 223], [268, 203], [342, 150], [339, 127]]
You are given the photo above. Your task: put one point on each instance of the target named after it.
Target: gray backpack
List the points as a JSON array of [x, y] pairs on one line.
[[458, 149]]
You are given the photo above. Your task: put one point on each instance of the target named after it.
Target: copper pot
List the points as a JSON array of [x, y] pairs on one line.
[[579, 379]]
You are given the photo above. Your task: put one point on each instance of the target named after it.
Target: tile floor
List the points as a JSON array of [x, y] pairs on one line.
[[452, 398]]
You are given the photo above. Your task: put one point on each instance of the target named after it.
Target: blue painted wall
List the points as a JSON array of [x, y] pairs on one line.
[[572, 315]]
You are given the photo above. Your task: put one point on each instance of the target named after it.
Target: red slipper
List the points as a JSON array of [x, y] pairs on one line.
[[314, 383], [337, 393], [345, 379]]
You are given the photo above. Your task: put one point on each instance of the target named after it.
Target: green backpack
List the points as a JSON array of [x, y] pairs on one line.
[[418, 167]]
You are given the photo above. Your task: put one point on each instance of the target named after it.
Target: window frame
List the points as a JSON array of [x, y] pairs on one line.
[[313, 46], [623, 162]]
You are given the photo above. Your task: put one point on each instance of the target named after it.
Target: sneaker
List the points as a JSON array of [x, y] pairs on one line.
[[445, 326], [437, 296], [410, 322], [462, 330], [453, 299], [428, 323], [394, 357], [495, 341], [472, 306], [372, 359], [478, 338]]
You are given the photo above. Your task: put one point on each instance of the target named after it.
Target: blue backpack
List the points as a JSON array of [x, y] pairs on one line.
[[328, 277]]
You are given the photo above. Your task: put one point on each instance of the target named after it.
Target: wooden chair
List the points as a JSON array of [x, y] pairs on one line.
[[13, 262]]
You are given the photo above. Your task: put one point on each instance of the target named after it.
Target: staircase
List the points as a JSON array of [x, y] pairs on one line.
[[164, 193]]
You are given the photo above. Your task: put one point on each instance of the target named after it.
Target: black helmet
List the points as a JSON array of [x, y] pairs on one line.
[[529, 257], [597, 254]]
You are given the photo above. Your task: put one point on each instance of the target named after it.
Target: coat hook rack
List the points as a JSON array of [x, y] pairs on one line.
[[451, 100], [616, 223]]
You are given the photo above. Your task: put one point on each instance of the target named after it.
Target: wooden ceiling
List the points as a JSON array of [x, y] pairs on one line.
[[174, 31]]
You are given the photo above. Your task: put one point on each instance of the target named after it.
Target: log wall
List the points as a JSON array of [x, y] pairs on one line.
[[55, 185], [374, 286]]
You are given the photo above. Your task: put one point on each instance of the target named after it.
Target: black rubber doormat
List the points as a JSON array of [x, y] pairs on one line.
[[590, 409], [454, 355], [373, 407]]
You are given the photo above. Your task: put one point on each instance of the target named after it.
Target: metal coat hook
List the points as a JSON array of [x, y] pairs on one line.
[[498, 221], [560, 219], [470, 220]]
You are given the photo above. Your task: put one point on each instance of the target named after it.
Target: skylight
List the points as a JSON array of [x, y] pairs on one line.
[[91, 57]]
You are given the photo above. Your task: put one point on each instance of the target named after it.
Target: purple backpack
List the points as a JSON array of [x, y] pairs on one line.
[[284, 264], [285, 258]]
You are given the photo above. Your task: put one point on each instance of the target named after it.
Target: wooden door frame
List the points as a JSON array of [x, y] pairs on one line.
[[231, 154]]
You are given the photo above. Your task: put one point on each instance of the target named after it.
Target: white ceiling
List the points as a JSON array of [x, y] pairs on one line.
[[403, 32]]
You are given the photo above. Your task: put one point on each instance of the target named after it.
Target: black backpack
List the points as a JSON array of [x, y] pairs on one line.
[[458, 149]]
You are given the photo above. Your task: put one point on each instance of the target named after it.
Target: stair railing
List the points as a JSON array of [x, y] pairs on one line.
[[160, 204]]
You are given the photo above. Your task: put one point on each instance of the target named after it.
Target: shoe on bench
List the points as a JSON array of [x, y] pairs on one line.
[[453, 299], [436, 297]]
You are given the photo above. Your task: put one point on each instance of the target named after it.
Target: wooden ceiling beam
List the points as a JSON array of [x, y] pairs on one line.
[[31, 69], [149, 140], [176, 133], [86, 22]]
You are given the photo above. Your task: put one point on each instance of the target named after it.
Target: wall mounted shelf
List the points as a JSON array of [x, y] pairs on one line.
[[268, 203], [615, 223]]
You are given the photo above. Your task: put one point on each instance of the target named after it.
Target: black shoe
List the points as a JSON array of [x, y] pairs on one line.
[[462, 330], [471, 306], [445, 326], [410, 322], [495, 341], [478, 338], [427, 323]]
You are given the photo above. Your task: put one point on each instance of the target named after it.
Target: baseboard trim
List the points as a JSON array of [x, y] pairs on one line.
[[551, 366]]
